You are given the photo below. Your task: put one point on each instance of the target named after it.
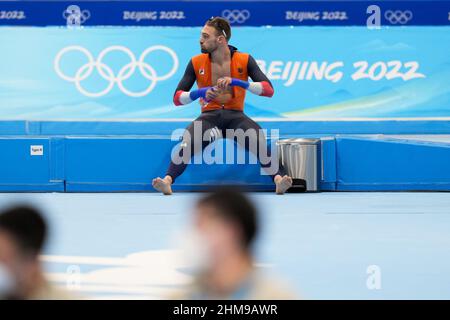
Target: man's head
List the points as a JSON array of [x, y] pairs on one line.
[[215, 33], [227, 221], [23, 232]]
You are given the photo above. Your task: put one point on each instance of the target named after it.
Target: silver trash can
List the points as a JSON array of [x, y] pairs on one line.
[[300, 158]]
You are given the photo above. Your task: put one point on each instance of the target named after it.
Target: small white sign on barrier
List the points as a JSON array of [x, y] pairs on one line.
[[37, 150]]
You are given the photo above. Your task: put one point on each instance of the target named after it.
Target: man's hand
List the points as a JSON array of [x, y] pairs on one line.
[[223, 83], [211, 94]]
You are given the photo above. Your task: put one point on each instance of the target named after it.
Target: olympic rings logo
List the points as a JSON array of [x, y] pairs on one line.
[[75, 16], [401, 17], [236, 16], [107, 73]]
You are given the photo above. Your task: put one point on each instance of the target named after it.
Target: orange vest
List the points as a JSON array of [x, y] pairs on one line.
[[238, 70]]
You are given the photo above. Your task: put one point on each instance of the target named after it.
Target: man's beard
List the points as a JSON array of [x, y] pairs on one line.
[[207, 51]]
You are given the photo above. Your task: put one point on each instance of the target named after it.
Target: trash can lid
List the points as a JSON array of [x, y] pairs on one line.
[[301, 141]]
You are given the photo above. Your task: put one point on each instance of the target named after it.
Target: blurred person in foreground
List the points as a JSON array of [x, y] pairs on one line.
[[220, 245], [23, 232]]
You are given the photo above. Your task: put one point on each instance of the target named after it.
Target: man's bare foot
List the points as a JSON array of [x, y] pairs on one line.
[[163, 185], [282, 183]]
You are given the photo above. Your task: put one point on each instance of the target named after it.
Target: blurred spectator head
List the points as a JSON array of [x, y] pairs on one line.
[[227, 223], [23, 232]]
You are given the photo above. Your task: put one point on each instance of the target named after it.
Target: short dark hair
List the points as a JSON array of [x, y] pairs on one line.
[[235, 207], [221, 25], [26, 226]]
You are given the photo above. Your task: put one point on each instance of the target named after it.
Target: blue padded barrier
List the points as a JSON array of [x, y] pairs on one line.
[[386, 164], [328, 160], [129, 164], [21, 171], [13, 128], [126, 162], [286, 128]]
